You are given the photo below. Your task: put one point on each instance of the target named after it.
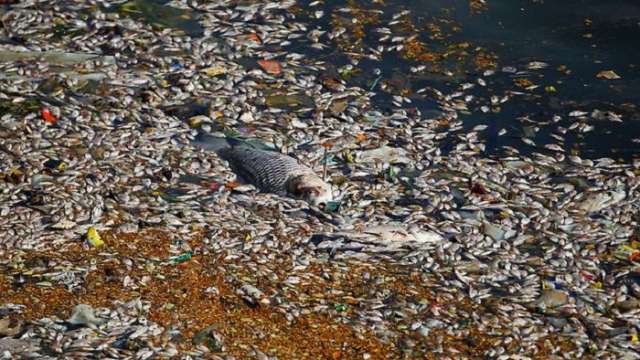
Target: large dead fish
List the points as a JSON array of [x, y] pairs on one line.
[[271, 171]]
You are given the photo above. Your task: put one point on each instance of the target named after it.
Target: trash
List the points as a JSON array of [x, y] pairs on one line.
[[608, 75], [93, 238], [340, 307], [213, 186], [270, 66], [85, 315], [181, 258], [386, 155], [48, 117], [332, 206]]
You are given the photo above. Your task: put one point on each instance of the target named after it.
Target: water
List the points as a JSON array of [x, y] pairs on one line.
[[575, 39], [586, 37]]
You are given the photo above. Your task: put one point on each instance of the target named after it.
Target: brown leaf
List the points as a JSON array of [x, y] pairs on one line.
[[254, 37], [270, 66], [478, 189], [361, 136], [608, 74], [231, 185]]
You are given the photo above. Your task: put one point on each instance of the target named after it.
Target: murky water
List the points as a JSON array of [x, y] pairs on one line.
[[578, 39], [547, 58]]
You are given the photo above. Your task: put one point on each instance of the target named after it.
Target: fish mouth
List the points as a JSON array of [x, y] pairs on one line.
[[321, 200]]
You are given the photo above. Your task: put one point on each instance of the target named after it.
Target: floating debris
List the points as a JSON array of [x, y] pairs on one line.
[[84, 315], [456, 223], [608, 74]]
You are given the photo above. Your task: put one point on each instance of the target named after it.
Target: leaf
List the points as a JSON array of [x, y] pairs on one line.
[[231, 185], [254, 37], [270, 66], [361, 136], [214, 70], [608, 74], [48, 116]]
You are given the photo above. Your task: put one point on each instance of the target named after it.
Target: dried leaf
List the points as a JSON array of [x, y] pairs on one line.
[[214, 70], [254, 37], [608, 74], [478, 189], [270, 66], [361, 136], [231, 185]]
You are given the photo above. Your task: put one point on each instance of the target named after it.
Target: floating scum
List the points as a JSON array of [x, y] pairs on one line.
[[119, 237]]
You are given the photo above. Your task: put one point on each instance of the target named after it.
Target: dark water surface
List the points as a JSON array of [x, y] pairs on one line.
[[586, 37], [576, 39], [545, 58]]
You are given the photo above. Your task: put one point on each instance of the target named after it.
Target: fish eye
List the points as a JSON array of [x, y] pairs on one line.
[[312, 192]]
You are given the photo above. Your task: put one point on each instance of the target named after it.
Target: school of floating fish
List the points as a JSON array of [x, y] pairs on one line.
[[537, 245]]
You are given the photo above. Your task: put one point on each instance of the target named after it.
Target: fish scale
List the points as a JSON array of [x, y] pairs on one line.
[[269, 170]]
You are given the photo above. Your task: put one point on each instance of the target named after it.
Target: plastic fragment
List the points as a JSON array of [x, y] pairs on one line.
[[48, 117], [340, 307], [84, 315], [93, 238], [182, 258]]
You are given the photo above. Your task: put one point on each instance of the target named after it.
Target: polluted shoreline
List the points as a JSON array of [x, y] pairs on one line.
[[123, 234]]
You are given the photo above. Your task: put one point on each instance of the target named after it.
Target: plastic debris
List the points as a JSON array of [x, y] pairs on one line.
[[608, 75], [386, 155], [85, 315], [48, 117], [182, 258], [93, 237]]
